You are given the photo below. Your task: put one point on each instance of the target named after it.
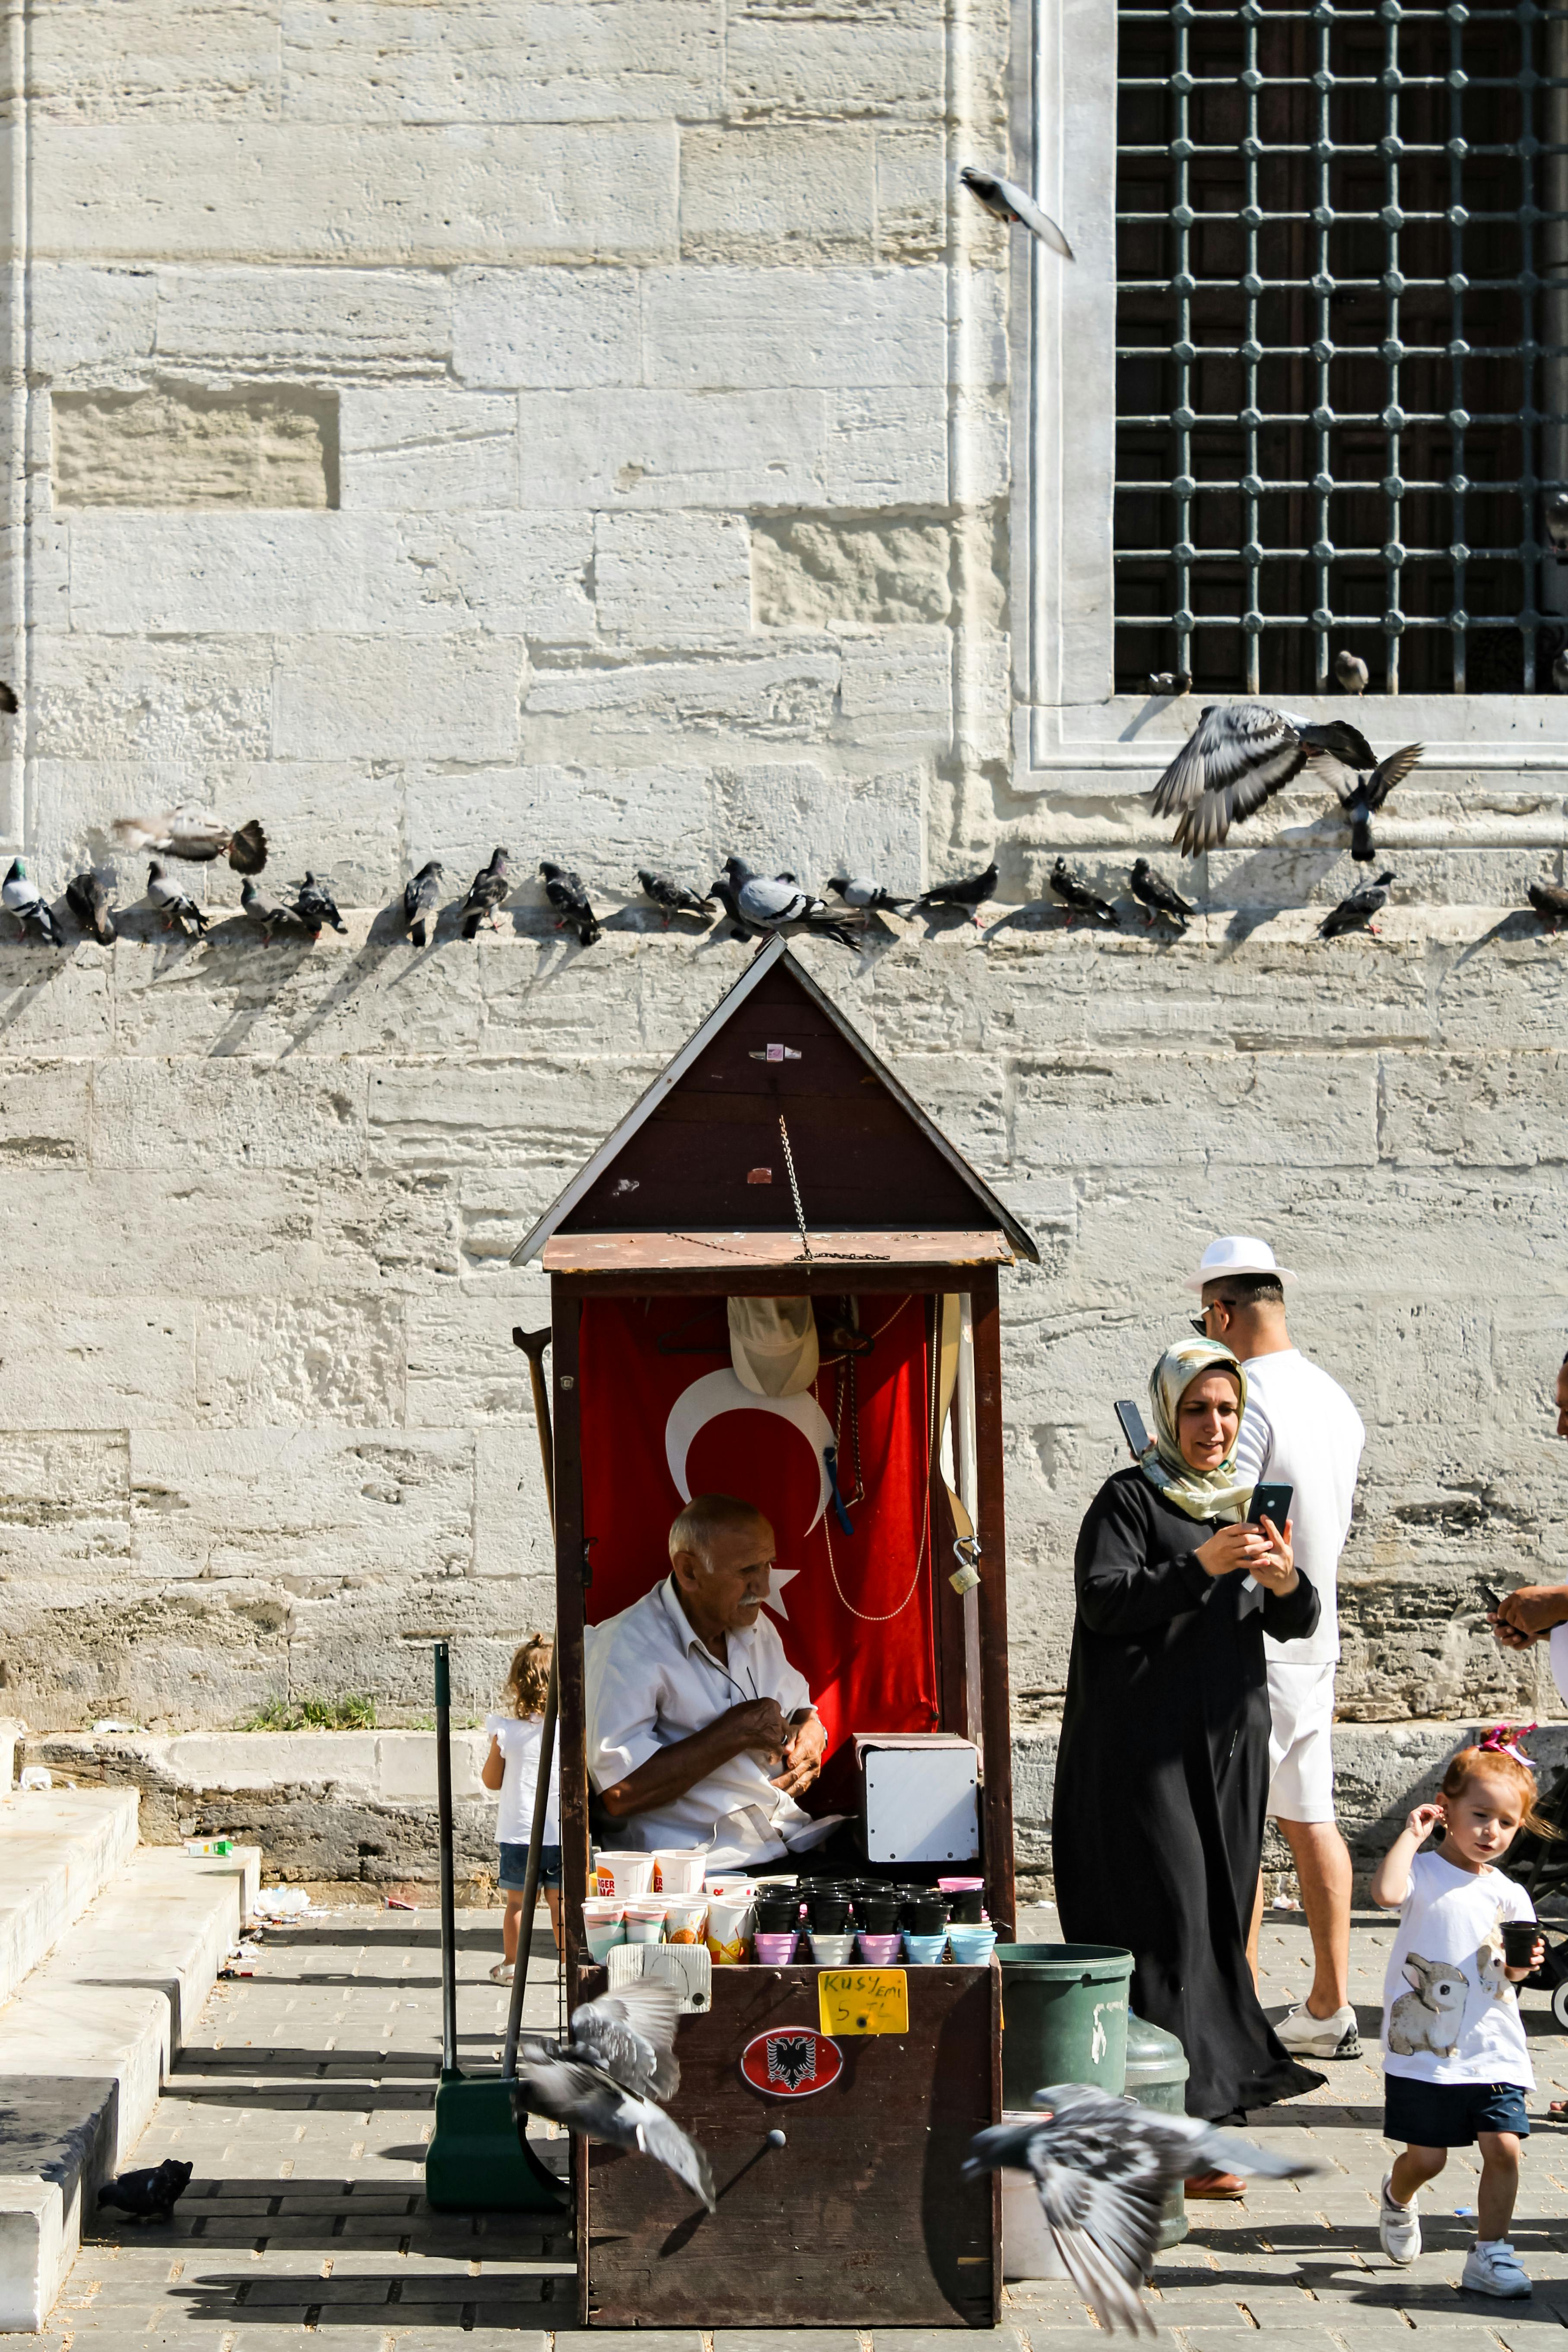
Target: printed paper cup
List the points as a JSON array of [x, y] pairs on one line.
[[629, 1873], [685, 1918], [601, 1935], [729, 1929], [645, 1920], [678, 1870]]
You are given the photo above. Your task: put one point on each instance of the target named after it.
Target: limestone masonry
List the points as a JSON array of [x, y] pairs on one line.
[[593, 426]]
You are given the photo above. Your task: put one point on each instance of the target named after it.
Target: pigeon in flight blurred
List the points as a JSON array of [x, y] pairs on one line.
[[420, 893], [565, 893], [21, 896], [671, 898], [1236, 757], [1352, 672], [486, 892], [173, 903], [608, 2079], [269, 914], [972, 891], [1361, 797], [150, 2195], [89, 902], [1103, 2168], [868, 898], [196, 838], [1355, 913], [1077, 898], [1170, 683], [1011, 203], [1550, 900], [1158, 896], [315, 905]]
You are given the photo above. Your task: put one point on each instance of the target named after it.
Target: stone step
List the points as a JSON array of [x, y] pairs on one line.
[[86, 2042], [58, 1849]]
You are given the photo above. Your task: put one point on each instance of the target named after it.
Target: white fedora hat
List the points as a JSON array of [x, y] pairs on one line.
[[1236, 1254]]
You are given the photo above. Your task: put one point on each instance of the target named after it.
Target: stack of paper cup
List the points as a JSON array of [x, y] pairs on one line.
[[685, 1918], [678, 1870], [604, 1923], [729, 1925], [644, 1918], [624, 1874]]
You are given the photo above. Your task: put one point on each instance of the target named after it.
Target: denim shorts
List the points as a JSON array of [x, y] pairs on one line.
[[1449, 2114], [513, 1872]]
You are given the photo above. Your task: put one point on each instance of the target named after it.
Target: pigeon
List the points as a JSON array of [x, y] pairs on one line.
[[89, 902], [671, 898], [419, 897], [486, 892], [151, 2195], [195, 837], [269, 913], [315, 905], [1550, 900], [768, 904], [1236, 757], [1554, 514], [972, 892], [870, 898], [172, 902], [1010, 203], [1352, 672], [608, 2079], [22, 898], [565, 893], [1560, 671], [1355, 913], [1157, 896], [8, 702], [1103, 2168], [1361, 798], [1077, 898], [1170, 682]]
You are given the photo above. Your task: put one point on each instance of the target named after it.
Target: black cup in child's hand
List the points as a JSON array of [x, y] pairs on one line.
[[1519, 1937]]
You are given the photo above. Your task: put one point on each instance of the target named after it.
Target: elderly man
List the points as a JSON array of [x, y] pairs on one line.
[[699, 1731]]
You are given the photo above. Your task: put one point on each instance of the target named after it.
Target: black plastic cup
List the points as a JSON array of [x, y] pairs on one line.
[[878, 1914], [927, 1918], [1518, 1941], [829, 1914], [967, 1903], [777, 1913]]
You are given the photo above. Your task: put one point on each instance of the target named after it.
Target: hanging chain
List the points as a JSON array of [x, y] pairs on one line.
[[794, 1189], [848, 1389]]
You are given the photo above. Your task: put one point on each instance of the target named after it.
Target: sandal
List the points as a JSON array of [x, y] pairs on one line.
[[1215, 2184], [502, 1972]]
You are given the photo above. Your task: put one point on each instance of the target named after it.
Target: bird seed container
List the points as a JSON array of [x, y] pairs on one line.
[[1064, 2017], [1157, 2077]]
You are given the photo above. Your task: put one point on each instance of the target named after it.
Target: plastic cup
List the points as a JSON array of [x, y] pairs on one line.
[[603, 1935], [729, 1929], [968, 1903], [924, 1951], [775, 1951], [832, 1951], [678, 1870], [1518, 1941], [629, 1874], [645, 1920], [879, 1951], [830, 1913], [971, 1947], [876, 1915], [685, 1918], [926, 1919], [777, 1914]]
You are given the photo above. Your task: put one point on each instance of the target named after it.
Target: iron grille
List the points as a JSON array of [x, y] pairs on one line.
[[1341, 327]]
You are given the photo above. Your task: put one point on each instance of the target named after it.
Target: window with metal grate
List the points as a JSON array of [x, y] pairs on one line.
[[1342, 344]]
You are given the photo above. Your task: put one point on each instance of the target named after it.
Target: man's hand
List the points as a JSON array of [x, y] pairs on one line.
[[1525, 1616], [758, 1728], [803, 1756]]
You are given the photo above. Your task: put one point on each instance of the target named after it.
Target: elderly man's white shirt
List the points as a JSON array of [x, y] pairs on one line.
[[650, 1682], [1557, 1644]]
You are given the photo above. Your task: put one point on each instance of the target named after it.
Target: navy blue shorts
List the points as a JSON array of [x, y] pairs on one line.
[[513, 1872], [1449, 2114]]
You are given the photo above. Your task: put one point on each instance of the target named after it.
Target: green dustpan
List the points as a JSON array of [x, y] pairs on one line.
[[477, 2161]]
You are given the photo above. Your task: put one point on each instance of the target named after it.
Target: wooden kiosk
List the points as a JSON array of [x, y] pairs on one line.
[[776, 1156]]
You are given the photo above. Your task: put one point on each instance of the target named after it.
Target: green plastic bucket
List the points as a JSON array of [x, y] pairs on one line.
[[1064, 2017], [1157, 2076]]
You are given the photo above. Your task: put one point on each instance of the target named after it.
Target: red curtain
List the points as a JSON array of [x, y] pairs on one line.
[[870, 1670]]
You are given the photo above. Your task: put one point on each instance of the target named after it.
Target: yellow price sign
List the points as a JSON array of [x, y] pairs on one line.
[[863, 2001]]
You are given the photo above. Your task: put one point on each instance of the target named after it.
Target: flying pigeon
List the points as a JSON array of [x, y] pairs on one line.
[[172, 902], [486, 892], [607, 2080], [671, 898], [1009, 202], [871, 897], [1550, 900], [972, 892], [1170, 682], [89, 902], [1352, 672], [1236, 757], [269, 913], [1077, 897], [420, 893], [565, 893], [315, 905], [1355, 913], [1103, 2168], [1361, 797], [151, 2195], [195, 837], [22, 897], [1159, 898]]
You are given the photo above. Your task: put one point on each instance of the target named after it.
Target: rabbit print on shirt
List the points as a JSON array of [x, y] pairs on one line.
[[1492, 1967], [1432, 2015]]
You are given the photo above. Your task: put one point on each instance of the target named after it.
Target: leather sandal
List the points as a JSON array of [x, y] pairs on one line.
[[1214, 2184]]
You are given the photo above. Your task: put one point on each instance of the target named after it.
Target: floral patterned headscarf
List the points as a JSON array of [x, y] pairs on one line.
[[1214, 1494]]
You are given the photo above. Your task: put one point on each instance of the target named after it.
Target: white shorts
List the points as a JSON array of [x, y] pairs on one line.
[[1300, 1742]]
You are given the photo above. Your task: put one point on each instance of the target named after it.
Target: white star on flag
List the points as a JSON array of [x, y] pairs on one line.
[[778, 1579]]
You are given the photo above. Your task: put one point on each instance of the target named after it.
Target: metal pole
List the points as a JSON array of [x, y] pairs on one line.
[[448, 1901], [534, 1344]]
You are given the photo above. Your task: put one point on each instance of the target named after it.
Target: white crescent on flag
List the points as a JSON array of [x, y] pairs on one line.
[[718, 1392]]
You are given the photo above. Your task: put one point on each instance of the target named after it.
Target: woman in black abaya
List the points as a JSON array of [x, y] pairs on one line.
[[1163, 1776]]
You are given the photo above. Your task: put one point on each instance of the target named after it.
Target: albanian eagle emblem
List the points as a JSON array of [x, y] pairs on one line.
[[791, 2062]]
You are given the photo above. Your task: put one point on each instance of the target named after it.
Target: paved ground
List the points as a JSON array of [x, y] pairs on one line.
[[305, 2099]]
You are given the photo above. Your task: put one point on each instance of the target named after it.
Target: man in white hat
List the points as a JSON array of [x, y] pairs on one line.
[[1300, 1430]]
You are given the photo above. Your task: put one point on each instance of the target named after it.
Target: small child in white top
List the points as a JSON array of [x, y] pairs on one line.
[[1455, 2060], [511, 1765]]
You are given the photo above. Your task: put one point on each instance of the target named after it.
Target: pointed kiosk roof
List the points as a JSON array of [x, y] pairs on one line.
[[702, 1151]]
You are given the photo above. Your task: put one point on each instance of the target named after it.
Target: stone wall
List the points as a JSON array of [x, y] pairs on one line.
[[584, 425]]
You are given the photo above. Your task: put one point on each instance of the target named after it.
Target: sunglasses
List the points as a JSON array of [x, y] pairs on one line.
[[1200, 1322]]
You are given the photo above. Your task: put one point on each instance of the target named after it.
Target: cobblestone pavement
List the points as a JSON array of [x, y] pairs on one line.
[[304, 2100]]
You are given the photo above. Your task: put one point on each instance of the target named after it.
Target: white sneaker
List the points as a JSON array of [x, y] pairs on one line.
[[1305, 2036], [1492, 2267], [1398, 2226]]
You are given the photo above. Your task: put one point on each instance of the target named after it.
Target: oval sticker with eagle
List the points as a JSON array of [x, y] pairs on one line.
[[790, 2062]]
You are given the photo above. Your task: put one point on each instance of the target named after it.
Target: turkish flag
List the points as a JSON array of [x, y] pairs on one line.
[[855, 1611]]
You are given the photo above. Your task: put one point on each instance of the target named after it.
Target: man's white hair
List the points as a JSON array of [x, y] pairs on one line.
[[694, 1529]]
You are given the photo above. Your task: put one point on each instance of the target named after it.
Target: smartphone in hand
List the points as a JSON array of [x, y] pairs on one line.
[[1132, 1428], [1271, 1502]]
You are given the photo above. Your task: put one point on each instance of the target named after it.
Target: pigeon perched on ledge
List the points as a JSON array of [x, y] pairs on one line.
[[573, 912], [486, 893], [1550, 900], [868, 897], [198, 838], [1077, 898], [21, 896], [972, 891], [1355, 913], [420, 893], [89, 901], [1351, 673], [671, 898], [269, 914], [173, 903], [315, 905], [1150, 891]]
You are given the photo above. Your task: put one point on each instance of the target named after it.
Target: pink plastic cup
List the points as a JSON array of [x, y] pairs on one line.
[[776, 1951], [880, 1951]]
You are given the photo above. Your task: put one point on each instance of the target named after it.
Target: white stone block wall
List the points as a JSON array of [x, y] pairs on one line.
[[586, 426]]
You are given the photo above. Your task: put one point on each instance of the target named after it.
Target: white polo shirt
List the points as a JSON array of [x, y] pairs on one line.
[[651, 1681]]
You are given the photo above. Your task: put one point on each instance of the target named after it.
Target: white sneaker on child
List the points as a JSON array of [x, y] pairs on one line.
[[1492, 2267], [1398, 2226]]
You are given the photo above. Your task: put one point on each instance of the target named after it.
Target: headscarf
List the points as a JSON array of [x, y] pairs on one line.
[[1214, 1494]]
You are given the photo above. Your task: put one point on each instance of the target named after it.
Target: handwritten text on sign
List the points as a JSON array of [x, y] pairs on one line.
[[863, 2001]]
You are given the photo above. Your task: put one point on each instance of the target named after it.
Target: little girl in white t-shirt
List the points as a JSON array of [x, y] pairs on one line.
[[1455, 2061], [511, 1765]]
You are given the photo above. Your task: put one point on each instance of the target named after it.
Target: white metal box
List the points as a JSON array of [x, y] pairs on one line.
[[922, 1797]]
